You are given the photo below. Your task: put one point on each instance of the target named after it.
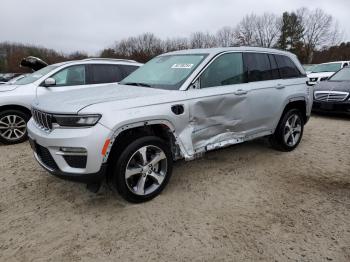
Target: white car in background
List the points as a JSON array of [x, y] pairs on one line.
[[16, 98], [322, 72]]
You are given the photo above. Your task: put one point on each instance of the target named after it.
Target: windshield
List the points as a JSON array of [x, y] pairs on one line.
[[165, 72], [333, 67], [36, 75], [342, 75]]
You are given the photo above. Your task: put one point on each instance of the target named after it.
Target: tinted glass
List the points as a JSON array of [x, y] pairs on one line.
[[165, 72], [71, 76], [342, 75], [286, 67], [275, 73], [225, 70], [128, 69], [105, 74], [258, 66]]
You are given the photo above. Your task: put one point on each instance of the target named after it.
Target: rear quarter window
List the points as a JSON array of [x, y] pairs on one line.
[[287, 68], [128, 69], [101, 74]]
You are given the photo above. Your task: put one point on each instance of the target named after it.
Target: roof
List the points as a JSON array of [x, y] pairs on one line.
[[99, 60], [217, 50]]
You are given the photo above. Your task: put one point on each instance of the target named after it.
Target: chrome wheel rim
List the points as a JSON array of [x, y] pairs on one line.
[[12, 127], [146, 170], [292, 130]]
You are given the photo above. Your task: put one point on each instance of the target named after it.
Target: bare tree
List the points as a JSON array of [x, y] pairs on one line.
[[173, 44], [267, 29], [320, 29], [226, 37], [245, 30], [202, 40], [261, 30], [141, 48]]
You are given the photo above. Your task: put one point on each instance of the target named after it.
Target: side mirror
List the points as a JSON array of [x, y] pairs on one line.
[[49, 82]]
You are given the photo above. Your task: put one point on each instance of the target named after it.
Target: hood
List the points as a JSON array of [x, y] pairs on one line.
[[33, 63], [341, 86], [7, 87], [321, 74], [75, 100]]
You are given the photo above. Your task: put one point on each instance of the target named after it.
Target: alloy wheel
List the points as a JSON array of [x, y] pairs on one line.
[[146, 170], [12, 127], [292, 130]]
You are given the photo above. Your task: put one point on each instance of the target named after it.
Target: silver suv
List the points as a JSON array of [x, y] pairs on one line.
[[16, 98], [178, 105]]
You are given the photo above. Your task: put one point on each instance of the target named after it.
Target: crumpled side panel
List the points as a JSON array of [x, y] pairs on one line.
[[216, 119]]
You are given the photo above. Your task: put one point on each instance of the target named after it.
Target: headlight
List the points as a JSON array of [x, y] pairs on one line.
[[76, 120]]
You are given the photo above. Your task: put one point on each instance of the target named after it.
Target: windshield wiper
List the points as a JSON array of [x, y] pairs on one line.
[[136, 84]]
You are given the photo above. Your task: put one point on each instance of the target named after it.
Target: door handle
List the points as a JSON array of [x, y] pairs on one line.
[[240, 92], [280, 86]]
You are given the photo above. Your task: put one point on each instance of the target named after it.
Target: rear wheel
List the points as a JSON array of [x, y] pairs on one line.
[[13, 127], [289, 131], [143, 169]]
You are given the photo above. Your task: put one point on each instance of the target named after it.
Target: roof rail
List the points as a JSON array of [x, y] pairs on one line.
[[109, 59]]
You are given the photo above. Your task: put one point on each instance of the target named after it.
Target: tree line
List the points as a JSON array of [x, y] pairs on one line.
[[313, 35]]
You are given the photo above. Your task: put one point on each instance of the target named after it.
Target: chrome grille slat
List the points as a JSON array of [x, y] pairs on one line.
[[43, 120], [330, 96]]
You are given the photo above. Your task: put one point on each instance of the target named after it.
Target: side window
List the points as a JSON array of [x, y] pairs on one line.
[[225, 70], [274, 67], [258, 66], [128, 69], [286, 66], [71, 76], [101, 74]]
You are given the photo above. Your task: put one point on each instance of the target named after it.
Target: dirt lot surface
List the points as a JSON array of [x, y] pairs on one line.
[[243, 203]]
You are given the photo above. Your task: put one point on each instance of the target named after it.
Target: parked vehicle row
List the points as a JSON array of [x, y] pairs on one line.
[[322, 72], [334, 94], [6, 78], [16, 98], [178, 105]]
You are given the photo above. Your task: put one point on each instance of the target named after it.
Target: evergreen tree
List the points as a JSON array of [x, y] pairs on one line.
[[291, 34]]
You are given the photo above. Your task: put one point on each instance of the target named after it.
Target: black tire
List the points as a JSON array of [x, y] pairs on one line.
[[278, 140], [7, 139], [119, 180]]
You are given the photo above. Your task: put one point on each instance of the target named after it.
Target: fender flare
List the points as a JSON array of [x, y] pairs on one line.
[[132, 125]]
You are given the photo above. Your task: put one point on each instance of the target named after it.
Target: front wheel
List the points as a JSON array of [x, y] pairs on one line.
[[289, 131], [13, 127], [143, 169]]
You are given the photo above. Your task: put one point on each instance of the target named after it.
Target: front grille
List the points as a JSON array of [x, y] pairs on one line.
[[43, 120], [331, 96], [45, 156]]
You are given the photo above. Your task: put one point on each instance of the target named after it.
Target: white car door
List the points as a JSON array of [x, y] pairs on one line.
[[218, 111]]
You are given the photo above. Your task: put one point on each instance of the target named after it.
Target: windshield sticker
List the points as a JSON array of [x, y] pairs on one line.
[[36, 76], [182, 66]]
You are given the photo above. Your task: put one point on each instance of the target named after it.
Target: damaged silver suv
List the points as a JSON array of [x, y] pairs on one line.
[[179, 105]]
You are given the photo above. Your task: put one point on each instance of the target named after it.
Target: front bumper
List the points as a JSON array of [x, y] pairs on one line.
[[336, 107], [47, 149]]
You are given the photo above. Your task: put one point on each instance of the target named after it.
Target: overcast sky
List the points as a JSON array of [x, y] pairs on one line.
[[91, 25]]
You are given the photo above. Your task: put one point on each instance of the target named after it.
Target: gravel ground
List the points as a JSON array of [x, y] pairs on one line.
[[247, 202]]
